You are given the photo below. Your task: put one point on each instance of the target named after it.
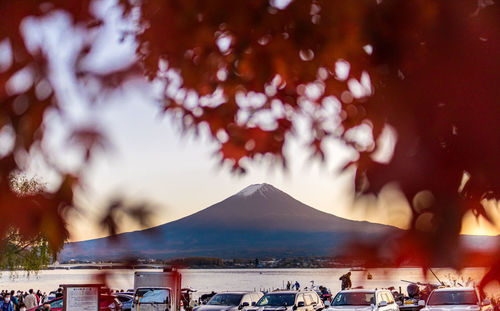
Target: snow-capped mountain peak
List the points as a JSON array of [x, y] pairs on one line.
[[256, 188]]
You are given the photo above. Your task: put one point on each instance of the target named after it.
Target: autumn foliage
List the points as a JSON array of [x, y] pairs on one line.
[[423, 71]]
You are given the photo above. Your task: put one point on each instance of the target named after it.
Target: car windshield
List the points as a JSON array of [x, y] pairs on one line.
[[277, 300], [152, 295], [226, 300], [453, 298], [124, 298], [354, 299]]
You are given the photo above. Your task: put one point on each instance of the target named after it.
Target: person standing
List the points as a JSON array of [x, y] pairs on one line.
[[6, 304], [14, 299], [59, 292], [297, 285], [39, 297], [30, 300], [346, 281]]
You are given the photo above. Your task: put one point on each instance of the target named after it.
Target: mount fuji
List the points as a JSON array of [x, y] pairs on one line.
[[258, 221]]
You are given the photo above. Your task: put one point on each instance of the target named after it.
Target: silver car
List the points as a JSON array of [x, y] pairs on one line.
[[363, 300], [455, 299], [289, 301], [230, 301]]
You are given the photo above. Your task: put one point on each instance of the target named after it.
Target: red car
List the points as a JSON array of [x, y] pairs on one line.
[[108, 303]]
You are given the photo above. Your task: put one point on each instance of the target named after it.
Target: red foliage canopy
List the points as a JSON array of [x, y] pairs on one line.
[[247, 69]]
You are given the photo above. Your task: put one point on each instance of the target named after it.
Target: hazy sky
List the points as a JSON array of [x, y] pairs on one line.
[[150, 161]]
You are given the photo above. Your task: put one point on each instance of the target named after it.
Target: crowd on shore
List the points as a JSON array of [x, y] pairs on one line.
[[23, 301]]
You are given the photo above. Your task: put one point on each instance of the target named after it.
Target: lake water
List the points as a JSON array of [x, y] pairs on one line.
[[206, 280]]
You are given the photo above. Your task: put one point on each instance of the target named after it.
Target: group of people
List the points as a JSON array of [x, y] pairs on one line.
[[22, 301], [290, 286]]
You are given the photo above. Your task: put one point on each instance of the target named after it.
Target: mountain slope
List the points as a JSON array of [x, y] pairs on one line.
[[260, 220]]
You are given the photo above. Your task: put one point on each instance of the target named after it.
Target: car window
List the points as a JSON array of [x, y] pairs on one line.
[[226, 299], [152, 295], [56, 304], [354, 299], [307, 300], [453, 298], [277, 300], [124, 298]]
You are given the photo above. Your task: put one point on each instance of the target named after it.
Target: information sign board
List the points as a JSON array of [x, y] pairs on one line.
[[81, 297]]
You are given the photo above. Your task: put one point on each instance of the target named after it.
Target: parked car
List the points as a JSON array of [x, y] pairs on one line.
[[230, 301], [289, 301], [126, 300], [55, 305], [364, 300], [50, 296], [456, 299], [108, 303]]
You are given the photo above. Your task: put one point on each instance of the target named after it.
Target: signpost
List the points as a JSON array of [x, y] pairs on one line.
[[81, 297]]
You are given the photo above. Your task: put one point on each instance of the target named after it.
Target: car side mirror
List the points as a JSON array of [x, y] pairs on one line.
[[203, 302], [486, 302], [245, 304], [421, 303], [327, 303], [253, 303], [383, 303], [300, 304]]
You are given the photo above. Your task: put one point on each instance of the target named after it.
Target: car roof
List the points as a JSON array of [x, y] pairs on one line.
[[360, 290], [454, 289], [290, 292]]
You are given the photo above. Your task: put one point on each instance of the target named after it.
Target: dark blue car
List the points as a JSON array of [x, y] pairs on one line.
[[126, 300]]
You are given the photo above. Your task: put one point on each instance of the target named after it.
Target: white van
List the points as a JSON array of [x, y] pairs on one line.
[[155, 291]]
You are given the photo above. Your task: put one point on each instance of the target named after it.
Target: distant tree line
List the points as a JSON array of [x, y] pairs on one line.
[[472, 259]]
